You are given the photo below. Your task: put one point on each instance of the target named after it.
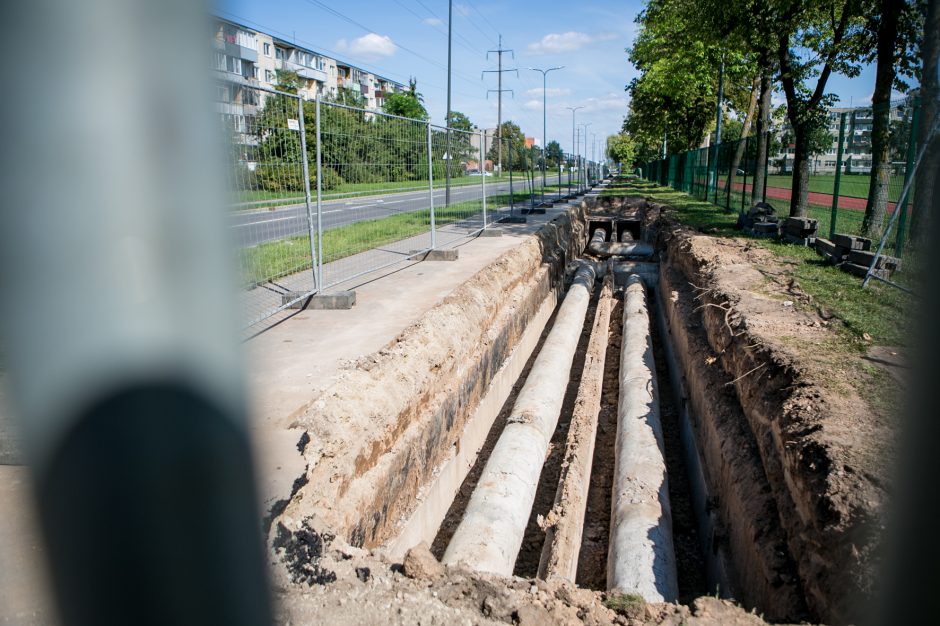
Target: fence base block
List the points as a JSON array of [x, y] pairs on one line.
[[491, 232], [535, 211], [338, 301], [544, 205], [434, 255]]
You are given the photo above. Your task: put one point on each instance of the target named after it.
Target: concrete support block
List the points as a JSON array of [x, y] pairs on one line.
[[535, 211], [491, 232], [862, 270], [337, 301], [851, 242], [434, 255]]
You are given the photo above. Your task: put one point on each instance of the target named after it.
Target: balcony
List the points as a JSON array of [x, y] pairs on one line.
[[302, 70]]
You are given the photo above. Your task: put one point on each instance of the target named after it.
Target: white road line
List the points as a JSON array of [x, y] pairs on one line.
[[280, 219]]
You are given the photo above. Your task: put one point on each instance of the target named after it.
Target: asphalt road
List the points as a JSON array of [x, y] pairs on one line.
[[251, 228]]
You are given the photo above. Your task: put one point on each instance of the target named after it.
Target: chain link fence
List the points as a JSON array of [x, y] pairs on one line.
[[324, 193], [840, 185]]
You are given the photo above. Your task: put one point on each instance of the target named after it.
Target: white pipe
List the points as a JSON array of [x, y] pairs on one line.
[[562, 545], [641, 558], [490, 534], [612, 248]]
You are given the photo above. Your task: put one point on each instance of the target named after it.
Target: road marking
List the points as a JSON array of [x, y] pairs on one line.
[[280, 219]]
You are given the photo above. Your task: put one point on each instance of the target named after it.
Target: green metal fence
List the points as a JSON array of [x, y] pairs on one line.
[[840, 171]]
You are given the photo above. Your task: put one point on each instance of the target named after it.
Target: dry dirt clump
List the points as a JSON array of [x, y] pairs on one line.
[[822, 449], [370, 590]]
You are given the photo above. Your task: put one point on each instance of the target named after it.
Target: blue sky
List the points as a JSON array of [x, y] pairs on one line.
[[403, 38]]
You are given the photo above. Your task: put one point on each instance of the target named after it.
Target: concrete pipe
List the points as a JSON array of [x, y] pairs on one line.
[[605, 249], [641, 558], [490, 535], [562, 545]]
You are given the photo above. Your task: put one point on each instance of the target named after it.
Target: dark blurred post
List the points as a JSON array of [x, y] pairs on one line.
[[119, 319], [912, 555]]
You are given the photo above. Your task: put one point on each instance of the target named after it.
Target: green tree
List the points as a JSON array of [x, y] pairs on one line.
[[513, 140], [814, 39], [895, 35], [553, 154], [621, 149]]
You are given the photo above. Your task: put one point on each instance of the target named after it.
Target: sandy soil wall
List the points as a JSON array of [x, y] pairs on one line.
[[374, 438], [780, 444]]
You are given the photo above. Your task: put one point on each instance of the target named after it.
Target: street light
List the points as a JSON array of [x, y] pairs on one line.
[[574, 148], [580, 173], [544, 116]]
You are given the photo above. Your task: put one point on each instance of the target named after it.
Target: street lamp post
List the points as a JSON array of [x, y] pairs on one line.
[[580, 173], [574, 147], [544, 118]]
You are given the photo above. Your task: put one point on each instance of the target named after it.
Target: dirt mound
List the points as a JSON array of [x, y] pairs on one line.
[[371, 590], [797, 455]]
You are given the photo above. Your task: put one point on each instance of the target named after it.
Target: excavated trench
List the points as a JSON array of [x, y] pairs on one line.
[[570, 436]]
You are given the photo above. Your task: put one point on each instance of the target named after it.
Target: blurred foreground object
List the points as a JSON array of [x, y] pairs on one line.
[[119, 323]]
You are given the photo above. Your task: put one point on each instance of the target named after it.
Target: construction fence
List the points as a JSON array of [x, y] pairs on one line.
[[840, 176], [324, 193]]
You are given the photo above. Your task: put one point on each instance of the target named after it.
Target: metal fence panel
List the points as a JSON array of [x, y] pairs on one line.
[[840, 182], [270, 214], [375, 198]]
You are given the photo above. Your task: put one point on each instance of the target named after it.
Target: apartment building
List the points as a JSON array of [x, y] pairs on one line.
[[246, 58], [856, 149]]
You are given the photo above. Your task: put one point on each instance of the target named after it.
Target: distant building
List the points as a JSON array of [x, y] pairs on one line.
[[245, 58], [856, 150]]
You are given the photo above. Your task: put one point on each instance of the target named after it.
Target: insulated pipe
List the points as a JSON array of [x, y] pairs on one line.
[[490, 534], [610, 249], [641, 558], [562, 545], [626, 236]]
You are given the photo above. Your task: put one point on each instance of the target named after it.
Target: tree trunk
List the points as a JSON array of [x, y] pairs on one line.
[[742, 142], [763, 134], [877, 204], [799, 190], [926, 188]]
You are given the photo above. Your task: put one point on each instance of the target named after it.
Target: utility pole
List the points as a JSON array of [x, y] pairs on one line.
[[581, 175], [544, 116], [499, 92], [574, 145], [450, 157]]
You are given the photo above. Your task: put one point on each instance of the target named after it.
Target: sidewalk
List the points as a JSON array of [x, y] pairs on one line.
[[291, 363]]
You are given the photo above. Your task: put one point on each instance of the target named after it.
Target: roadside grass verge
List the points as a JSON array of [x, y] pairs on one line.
[[259, 198], [275, 259]]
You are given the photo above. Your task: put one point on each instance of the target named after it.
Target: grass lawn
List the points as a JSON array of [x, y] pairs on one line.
[[879, 310], [850, 185], [275, 259]]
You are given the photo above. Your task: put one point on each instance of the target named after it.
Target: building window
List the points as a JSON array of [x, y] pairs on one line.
[[267, 49], [254, 72], [269, 76], [221, 93], [279, 53]]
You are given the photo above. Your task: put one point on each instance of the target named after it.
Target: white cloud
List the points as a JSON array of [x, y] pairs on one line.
[[432, 21], [370, 47], [566, 42], [551, 92], [462, 10], [533, 105]]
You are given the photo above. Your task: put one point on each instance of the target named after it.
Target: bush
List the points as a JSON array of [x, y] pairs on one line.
[[288, 177]]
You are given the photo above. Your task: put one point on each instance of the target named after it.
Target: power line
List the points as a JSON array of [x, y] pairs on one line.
[[468, 45], [480, 13], [350, 20], [363, 64]]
